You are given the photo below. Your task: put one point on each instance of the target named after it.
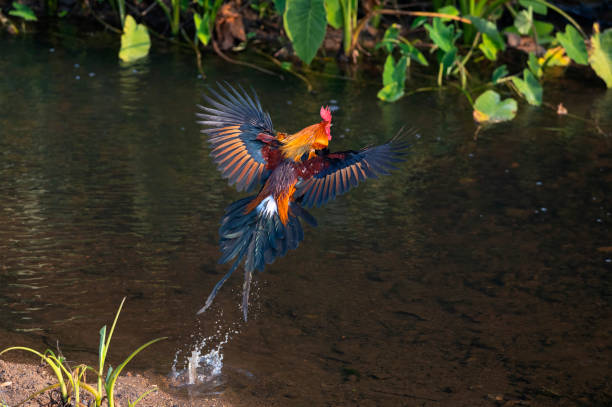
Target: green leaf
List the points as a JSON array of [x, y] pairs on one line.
[[305, 24], [135, 41], [390, 93], [488, 48], [23, 11], [417, 22], [280, 6], [498, 73], [529, 87], [390, 38], [394, 76], [523, 21], [489, 108], [489, 29], [543, 28], [574, 45], [448, 60], [534, 65], [451, 10], [203, 27], [333, 10], [537, 6], [442, 35], [601, 55], [412, 52]]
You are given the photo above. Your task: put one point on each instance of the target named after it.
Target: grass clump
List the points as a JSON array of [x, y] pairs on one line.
[[72, 381]]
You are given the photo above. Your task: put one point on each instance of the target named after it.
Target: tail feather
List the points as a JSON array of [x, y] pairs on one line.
[[256, 238]]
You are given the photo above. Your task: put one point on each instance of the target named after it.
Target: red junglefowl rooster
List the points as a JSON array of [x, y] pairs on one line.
[[291, 171]]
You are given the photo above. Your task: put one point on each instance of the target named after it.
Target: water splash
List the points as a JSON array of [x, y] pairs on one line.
[[202, 364]]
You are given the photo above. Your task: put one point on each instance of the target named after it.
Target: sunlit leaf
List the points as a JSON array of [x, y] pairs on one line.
[[203, 29], [489, 108], [135, 41], [499, 73], [412, 52], [333, 10], [305, 24], [441, 34], [601, 55], [529, 87], [537, 6], [23, 11], [574, 45], [554, 57], [523, 21], [488, 48], [490, 30]]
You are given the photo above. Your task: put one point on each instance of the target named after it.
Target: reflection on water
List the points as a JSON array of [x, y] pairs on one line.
[[479, 271]]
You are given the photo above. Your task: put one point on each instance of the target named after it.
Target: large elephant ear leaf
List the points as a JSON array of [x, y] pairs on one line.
[[489, 108], [574, 45], [135, 41], [305, 23], [601, 54]]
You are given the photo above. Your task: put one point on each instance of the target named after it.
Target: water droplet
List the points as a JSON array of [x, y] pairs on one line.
[[77, 65], [599, 220], [333, 101], [594, 198], [289, 102], [539, 183], [471, 155], [536, 211], [77, 77], [438, 138], [334, 108], [543, 209], [92, 74], [608, 260], [417, 136], [51, 49], [182, 129], [347, 130], [199, 76], [134, 70]]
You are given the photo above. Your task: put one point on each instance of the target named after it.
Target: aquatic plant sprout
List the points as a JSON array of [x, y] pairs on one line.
[[70, 381]]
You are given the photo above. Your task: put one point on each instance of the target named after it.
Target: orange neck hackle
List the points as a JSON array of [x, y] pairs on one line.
[[309, 139]]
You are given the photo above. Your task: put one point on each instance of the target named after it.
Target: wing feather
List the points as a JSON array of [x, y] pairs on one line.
[[233, 120], [343, 171]]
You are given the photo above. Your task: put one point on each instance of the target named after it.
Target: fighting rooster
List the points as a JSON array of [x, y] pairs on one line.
[[291, 171]]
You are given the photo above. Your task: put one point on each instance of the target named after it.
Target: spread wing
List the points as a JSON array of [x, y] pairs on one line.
[[344, 170], [237, 129]]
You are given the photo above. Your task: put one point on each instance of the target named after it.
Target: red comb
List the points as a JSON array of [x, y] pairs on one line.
[[326, 113]]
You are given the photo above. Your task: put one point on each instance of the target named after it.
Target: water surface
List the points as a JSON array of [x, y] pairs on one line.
[[478, 274]]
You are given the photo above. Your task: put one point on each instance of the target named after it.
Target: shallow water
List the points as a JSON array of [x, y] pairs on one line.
[[480, 273]]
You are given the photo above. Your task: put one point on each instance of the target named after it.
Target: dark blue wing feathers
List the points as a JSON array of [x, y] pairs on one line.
[[343, 171]]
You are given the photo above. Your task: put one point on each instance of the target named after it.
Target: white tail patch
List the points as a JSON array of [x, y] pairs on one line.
[[268, 206]]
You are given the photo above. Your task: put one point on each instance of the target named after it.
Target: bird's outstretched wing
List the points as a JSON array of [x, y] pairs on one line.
[[344, 170], [239, 132]]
